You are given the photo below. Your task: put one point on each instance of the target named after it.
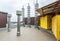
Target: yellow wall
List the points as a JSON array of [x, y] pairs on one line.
[[45, 22], [56, 26], [49, 21]]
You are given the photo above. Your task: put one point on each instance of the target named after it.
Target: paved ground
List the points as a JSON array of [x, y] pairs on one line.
[[27, 34]]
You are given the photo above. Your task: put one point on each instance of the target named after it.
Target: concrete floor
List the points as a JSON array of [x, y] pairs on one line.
[[27, 34]]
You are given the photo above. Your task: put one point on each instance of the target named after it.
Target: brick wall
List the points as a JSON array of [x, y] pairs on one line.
[[3, 19]]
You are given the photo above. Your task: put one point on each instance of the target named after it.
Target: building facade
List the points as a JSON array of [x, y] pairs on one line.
[[50, 18]]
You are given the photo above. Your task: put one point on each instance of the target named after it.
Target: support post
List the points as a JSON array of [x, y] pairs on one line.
[[28, 19], [8, 21], [36, 15], [23, 16], [18, 22]]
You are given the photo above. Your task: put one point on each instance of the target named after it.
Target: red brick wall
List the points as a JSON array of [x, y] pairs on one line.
[[3, 19], [32, 20], [38, 20], [25, 20]]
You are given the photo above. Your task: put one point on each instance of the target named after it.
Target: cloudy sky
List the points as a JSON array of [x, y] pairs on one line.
[[11, 6]]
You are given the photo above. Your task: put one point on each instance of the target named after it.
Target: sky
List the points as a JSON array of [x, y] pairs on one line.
[[10, 6]]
